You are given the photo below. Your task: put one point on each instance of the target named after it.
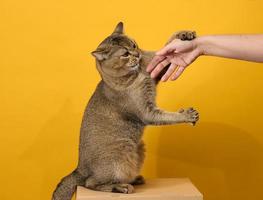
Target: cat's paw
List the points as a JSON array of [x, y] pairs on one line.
[[185, 35], [139, 180], [189, 115], [123, 188]]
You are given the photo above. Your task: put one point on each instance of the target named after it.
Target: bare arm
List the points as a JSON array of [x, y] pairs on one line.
[[180, 54], [243, 47]]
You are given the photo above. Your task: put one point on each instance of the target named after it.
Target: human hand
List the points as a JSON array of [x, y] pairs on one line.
[[179, 54]]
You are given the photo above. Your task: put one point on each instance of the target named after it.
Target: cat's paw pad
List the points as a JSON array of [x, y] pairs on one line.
[[186, 35], [123, 188], [139, 180], [190, 115]]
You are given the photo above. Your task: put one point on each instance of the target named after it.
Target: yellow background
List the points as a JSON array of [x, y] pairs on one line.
[[47, 75]]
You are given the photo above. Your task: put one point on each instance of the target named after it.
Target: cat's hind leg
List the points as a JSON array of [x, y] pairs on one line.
[[93, 184], [139, 180], [117, 188], [115, 173]]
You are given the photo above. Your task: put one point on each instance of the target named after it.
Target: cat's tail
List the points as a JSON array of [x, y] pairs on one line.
[[67, 186]]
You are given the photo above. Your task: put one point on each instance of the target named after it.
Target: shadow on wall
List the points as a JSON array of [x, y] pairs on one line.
[[54, 148], [216, 153]]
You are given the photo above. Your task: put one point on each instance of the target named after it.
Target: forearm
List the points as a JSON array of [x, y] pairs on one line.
[[244, 47]]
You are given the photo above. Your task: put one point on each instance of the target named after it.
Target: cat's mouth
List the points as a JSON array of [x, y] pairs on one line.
[[135, 67]]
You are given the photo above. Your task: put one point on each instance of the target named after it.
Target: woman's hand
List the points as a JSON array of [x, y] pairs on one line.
[[182, 53], [179, 54]]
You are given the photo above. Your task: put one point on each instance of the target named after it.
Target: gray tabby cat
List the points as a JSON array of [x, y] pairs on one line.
[[111, 150]]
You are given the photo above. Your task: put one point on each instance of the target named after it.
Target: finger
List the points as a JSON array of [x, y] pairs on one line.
[[159, 68], [166, 50], [155, 61], [177, 73], [169, 72]]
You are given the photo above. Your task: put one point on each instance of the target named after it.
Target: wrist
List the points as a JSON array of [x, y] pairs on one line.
[[200, 45]]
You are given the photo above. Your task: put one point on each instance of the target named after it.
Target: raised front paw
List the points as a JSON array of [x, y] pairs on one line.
[[185, 35], [189, 115]]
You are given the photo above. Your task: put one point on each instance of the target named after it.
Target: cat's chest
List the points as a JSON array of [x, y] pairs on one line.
[[143, 89]]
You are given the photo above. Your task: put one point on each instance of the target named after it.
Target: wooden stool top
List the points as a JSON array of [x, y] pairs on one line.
[[154, 189]]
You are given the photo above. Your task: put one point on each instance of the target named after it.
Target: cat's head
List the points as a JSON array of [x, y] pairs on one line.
[[117, 55]]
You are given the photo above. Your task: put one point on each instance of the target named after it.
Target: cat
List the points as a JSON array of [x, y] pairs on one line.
[[111, 150]]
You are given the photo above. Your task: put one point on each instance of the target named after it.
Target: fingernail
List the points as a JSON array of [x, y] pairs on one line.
[[152, 75], [163, 79]]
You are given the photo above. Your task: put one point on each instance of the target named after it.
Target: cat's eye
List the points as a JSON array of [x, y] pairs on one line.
[[126, 54]]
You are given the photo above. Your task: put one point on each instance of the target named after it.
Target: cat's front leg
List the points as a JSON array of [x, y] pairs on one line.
[[160, 117], [183, 35]]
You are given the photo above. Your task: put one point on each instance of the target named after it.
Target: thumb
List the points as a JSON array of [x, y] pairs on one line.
[[166, 50]]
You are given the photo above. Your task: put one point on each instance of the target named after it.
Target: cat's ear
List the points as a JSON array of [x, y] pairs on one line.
[[100, 54], [119, 28]]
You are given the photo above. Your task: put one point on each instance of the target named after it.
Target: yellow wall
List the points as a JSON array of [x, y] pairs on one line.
[[47, 75]]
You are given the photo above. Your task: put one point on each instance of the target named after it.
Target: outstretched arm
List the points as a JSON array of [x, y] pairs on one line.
[[243, 47], [180, 54]]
